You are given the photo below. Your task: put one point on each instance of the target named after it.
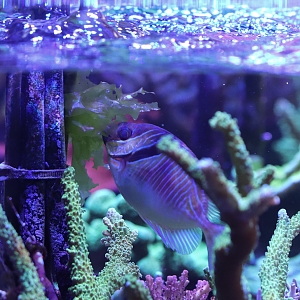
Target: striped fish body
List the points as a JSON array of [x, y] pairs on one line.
[[166, 198]]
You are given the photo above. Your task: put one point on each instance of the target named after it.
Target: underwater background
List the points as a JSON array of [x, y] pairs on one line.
[[70, 69]]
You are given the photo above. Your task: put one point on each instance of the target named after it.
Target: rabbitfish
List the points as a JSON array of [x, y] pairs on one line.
[[165, 197]]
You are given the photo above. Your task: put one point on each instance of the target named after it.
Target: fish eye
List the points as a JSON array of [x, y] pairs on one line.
[[124, 133]]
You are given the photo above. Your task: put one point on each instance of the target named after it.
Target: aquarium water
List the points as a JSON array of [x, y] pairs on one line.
[[192, 57]]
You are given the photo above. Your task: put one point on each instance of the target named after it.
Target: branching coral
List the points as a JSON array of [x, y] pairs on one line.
[[240, 204], [273, 271], [292, 292], [288, 116], [118, 238], [175, 289], [29, 285], [82, 272], [287, 176], [237, 150]]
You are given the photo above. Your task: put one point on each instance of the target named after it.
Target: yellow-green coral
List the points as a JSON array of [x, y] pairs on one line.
[[82, 275], [30, 287], [236, 147], [118, 238], [273, 271]]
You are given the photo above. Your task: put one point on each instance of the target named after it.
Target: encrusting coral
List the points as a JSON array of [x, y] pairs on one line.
[[239, 203]]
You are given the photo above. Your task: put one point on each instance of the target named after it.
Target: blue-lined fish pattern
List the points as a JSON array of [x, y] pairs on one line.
[[165, 197]]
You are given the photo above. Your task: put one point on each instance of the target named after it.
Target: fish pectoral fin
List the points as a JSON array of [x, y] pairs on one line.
[[213, 213], [183, 241]]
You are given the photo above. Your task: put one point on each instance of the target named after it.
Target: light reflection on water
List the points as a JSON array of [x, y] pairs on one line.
[[127, 37]]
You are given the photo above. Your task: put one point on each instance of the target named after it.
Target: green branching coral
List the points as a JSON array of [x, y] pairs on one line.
[[118, 238], [274, 269], [29, 285], [237, 150], [88, 113], [82, 275]]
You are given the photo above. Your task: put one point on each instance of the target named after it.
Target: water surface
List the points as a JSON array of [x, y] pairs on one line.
[[128, 38]]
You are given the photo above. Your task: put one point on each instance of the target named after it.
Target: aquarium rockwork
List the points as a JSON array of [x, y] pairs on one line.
[[150, 150]]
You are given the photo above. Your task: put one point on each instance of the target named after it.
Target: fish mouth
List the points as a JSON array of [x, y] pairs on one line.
[[105, 139]]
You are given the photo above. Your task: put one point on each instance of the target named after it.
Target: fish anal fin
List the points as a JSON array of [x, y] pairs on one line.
[[183, 241]]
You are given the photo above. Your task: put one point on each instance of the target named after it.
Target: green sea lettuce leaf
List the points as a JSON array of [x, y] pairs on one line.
[[87, 114]]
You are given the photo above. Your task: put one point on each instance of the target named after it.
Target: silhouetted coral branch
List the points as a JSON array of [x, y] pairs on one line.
[[287, 177], [289, 113]]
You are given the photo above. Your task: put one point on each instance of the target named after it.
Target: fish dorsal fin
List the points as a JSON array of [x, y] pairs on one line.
[[183, 241]]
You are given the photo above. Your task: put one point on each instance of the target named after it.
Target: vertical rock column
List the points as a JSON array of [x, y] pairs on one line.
[[56, 227]]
